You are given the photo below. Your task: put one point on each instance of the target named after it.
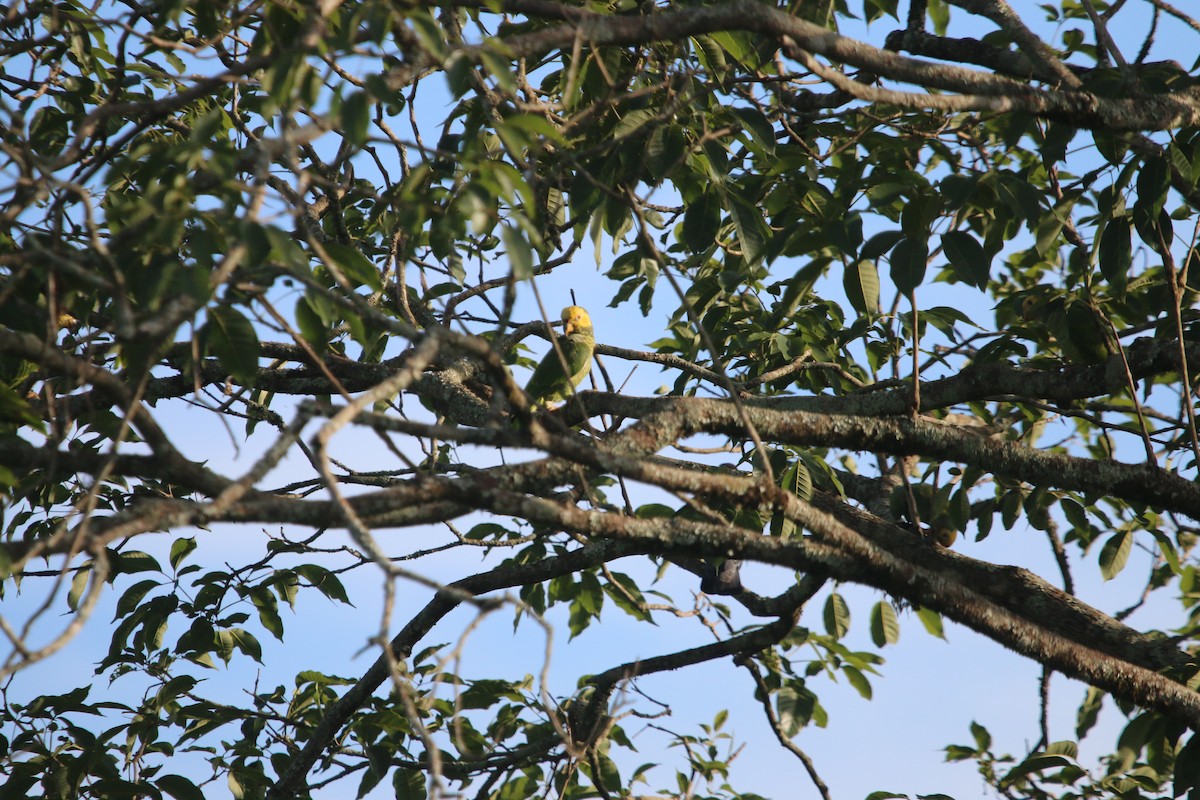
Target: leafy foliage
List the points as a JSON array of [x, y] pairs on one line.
[[919, 281]]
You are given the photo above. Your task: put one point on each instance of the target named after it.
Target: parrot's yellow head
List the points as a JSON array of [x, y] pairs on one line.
[[575, 320]]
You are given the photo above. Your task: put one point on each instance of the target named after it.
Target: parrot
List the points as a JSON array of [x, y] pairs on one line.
[[549, 382]]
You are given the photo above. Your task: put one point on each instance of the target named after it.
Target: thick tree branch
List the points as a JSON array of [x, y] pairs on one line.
[[999, 12], [1084, 109], [667, 420], [846, 555]]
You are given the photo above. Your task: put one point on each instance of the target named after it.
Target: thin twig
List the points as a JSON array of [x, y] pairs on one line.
[[1174, 278], [764, 695]]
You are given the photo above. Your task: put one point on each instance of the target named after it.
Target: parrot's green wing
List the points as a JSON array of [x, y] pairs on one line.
[[578, 355], [550, 382]]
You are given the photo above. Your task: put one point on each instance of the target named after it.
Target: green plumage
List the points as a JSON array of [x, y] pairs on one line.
[[550, 381]]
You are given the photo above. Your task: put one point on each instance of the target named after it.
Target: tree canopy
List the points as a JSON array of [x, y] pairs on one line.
[[915, 278]]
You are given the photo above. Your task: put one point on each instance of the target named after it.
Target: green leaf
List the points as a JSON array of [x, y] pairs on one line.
[[498, 67], [799, 480], [1022, 198], [837, 616], [132, 561], [739, 44], [1039, 762], [312, 327], [781, 526], [374, 773], [874, 9], [154, 622], [357, 268], [1115, 554], [487, 530], [14, 408], [861, 283], [632, 121], [268, 610], [325, 581], [591, 594], [132, 597], [1116, 252], [908, 261], [621, 594], [752, 231], [983, 739], [610, 776], [458, 74], [1156, 230], [858, 681], [939, 15], [179, 787], [520, 254], [282, 76], [286, 584], [702, 222], [1167, 548], [1187, 767], [759, 127], [229, 639], [1050, 226], [430, 33], [967, 258], [535, 124], [79, 582], [1062, 748], [710, 54], [235, 786], [287, 251], [180, 549], [794, 706], [885, 626], [356, 117], [231, 338], [408, 783], [1153, 181], [666, 148], [578, 618], [932, 622], [918, 214], [879, 245], [173, 689]]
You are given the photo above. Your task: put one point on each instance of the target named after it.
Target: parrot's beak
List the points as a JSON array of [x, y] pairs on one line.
[[568, 328]]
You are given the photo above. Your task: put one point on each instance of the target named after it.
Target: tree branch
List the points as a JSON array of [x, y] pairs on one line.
[[292, 782], [1084, 109]]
